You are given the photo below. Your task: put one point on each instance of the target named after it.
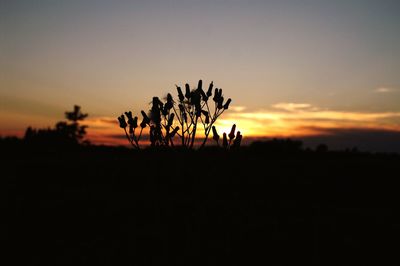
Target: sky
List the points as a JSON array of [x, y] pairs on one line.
[[296, 68]]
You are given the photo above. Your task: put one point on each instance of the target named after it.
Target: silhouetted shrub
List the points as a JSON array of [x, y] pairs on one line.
[[181, 118]]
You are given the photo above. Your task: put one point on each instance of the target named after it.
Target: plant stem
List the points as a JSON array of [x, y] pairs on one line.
[[194, 132], [129, 139]]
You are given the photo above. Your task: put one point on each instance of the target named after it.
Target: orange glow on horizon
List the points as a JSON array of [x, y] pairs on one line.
[[283, 120]]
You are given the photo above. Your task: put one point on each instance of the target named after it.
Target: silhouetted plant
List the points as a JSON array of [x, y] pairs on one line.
[[181, 118]]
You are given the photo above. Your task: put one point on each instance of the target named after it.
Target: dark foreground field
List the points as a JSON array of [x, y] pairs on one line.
[[100, 206]]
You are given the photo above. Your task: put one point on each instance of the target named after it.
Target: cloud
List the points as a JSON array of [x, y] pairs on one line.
[[237, 108], [291, 107], [109, 120], [302, 119], [384, 90]]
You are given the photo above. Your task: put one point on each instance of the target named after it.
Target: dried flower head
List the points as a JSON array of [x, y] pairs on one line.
[[174, 132], [216, 95], [232, 133], [169, 104], [224, 141], [187, 92], [209, 92], [200, 85], [215, 134], [146, 119], [134, 123], [220, 101], [122, 122], [226, 105], [237, 140], [180, 94], [170, 120]]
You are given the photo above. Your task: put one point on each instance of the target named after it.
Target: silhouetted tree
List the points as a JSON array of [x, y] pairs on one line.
[[64, 132], [71, 129]]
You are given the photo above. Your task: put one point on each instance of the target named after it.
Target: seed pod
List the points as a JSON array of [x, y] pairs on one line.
[[215, 134], [128, 114], [232, 133], [225, 141], [238, 140], [169, 98], [204, 112], [180, 94], [143, 124], [209, 92], [165, 110], [156, 102], [195, 97], [187, 93], [122, 122], [171, 120], [184, 115], [216, 95], [169, 104], [203, 95], [200, 85], [181, 108], [155, 115], [146, 119], [174, 132], [160, 105], [134, 124], [220, 101], [226, 105], [130, 118]]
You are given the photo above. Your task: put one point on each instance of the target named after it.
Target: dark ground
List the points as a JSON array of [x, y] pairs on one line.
[[103, 206]]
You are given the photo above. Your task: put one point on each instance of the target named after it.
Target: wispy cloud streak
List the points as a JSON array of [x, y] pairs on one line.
[[385, 90]]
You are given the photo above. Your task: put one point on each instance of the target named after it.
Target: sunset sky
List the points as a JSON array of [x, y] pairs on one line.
[[295, 68]]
